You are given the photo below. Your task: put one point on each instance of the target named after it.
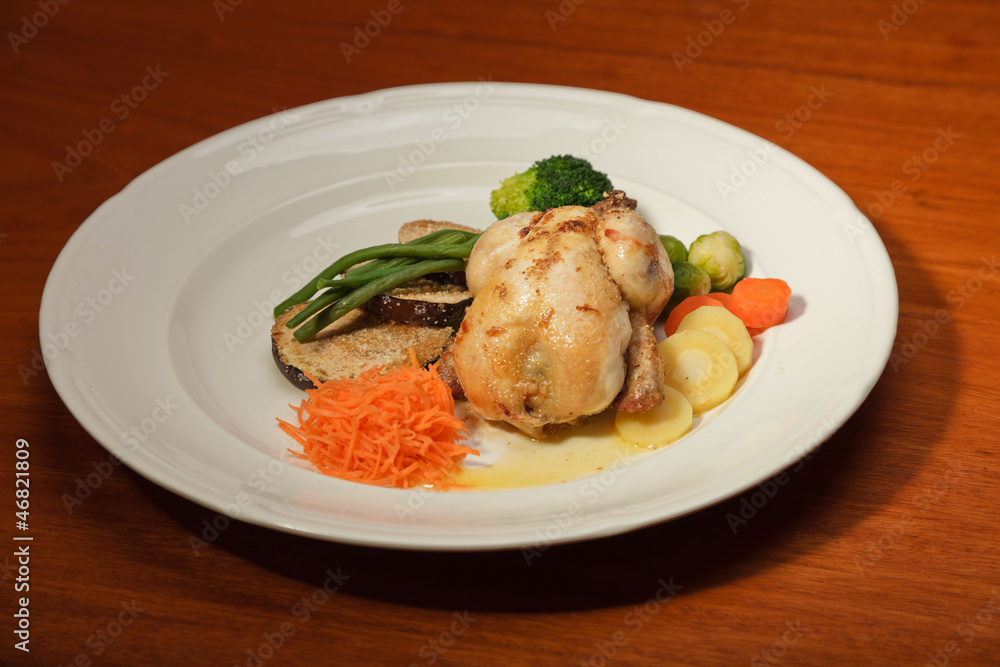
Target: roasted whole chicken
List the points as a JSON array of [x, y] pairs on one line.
[[560, 326]]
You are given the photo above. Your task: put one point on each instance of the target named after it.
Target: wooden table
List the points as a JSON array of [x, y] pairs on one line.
[[881, 550]]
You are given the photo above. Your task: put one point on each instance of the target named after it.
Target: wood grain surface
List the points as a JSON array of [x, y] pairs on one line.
[[881, 549]]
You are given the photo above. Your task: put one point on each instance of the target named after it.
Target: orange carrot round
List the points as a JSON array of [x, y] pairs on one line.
[[685, 307], [722, 297], [761, 302]]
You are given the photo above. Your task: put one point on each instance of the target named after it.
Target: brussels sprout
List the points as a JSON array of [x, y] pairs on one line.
[[720, 256], [675, 249], [689, 280]]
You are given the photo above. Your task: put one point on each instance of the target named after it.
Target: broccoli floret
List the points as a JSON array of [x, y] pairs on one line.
[[560, 180], [512, 195]]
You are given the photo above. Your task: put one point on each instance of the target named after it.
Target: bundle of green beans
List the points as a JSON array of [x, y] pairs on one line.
[[383, 267]]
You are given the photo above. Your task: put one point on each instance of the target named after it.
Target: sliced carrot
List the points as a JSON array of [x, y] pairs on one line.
[[685, 307], [722, 297], [761, 302], [389, 428]]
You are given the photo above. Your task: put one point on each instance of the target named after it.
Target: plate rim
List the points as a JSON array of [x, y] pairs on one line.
[[460, 540]]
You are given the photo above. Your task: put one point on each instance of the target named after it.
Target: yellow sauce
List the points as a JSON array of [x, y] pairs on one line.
[[521, 462]]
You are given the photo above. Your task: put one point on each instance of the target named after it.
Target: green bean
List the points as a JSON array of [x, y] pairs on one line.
[[358, 276], [375, 267], [354, 278], [358, 281], [379, 252], [325, 299], [440, 236], [346, 304], [380, 267]]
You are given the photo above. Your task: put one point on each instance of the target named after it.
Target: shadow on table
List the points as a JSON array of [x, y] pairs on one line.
[[873, 458], [681, 556]]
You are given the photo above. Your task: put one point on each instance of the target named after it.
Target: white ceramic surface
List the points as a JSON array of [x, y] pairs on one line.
[[155, 317]]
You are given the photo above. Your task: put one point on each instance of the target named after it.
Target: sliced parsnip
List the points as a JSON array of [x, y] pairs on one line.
[[661, 425], [726, 327], [700, 366]]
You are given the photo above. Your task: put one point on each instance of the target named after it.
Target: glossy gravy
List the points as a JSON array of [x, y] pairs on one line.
[[511, 460]]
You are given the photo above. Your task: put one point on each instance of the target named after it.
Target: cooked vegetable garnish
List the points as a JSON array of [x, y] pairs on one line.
[[658, 426], [559, 180], [700, 366], [722, 297], [761, 302], [396, 428], [689, 280], [676, 250], [685, 307], [383, 268], [721, 257], [726, 327]]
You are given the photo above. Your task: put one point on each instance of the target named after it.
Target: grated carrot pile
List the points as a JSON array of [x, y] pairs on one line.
[[395, 428]]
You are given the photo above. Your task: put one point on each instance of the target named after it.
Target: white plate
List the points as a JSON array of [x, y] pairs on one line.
[[155, 317]]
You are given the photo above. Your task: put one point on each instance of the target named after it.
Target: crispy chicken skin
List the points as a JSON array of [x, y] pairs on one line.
[[495, 246], [561, 315], [640, 267], [638, 263]]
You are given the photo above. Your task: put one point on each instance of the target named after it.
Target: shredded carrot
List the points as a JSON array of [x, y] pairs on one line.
[[389, 428]]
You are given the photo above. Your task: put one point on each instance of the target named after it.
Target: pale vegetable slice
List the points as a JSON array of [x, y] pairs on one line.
[[661, 425], [700, 366], [726, 327]]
